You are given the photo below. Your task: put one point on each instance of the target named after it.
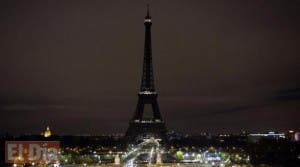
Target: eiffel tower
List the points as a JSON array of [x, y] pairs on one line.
[[140, 127]]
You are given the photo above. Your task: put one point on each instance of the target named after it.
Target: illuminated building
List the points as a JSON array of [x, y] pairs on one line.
[[254, 137], [47, 132]]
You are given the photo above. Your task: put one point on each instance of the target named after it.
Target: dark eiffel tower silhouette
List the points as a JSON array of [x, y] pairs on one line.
[[140, 127]]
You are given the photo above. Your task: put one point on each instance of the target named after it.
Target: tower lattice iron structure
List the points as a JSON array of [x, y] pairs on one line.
[[139, 126]]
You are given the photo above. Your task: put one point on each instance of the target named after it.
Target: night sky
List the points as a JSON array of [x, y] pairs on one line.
[[219, 66]]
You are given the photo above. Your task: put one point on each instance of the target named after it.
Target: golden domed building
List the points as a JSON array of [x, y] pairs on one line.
[[47, 132]]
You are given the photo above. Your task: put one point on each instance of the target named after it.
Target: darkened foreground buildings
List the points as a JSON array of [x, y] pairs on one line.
[[141, 127]]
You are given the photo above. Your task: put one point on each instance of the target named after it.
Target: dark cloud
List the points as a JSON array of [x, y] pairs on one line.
[[286, 95]]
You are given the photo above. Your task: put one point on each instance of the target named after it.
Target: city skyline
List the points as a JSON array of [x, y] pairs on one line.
[[219, 67]]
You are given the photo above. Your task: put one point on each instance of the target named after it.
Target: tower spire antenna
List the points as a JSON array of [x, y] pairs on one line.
[[148, 12]]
